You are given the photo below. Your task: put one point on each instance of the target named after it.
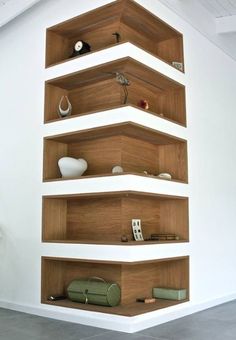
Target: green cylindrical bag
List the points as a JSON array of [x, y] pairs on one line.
[[95, 291]]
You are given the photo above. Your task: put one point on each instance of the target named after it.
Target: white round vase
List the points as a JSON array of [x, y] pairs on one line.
[[72, 167]]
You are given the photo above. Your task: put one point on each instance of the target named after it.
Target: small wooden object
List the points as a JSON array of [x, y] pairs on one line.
[[124, 238], [146, 300]]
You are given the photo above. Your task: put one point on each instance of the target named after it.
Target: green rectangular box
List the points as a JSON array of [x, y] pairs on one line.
[[169, 294]]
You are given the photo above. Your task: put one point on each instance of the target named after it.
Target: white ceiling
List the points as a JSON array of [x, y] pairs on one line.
[[215, 19], [220, 8]]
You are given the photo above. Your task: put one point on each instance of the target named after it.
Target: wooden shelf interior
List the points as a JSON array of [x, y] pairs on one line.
[[133, 22], [135, 280], [96, 89], [132, 146], [105, 217]]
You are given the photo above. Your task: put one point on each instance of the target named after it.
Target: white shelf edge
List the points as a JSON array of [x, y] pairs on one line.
[[116, 253], [113, 53], [115, 116], [115, 183]]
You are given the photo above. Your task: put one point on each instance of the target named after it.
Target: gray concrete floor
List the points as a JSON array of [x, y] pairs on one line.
[[218, 323]]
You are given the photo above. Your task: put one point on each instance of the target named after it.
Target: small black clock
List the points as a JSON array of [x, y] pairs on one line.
[[80, 47]]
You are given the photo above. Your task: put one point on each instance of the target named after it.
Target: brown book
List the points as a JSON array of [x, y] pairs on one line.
[[163, 237]]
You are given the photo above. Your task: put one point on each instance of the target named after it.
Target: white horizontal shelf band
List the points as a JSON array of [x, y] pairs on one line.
[[111, 54], [114, 116], [114, 252], [115, 183]]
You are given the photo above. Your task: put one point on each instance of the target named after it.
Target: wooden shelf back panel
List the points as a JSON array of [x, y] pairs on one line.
[[174, 218], [55, 219], [108, 95], [134, 147], [171, 49], [96, 219], [132, 21], [89, 20], [105, 218], [144, 22], [135, 279], [96, 89], [53, 151], [101, 154], [138, 280]]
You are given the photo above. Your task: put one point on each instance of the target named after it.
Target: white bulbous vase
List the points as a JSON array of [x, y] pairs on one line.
[[72, 167]]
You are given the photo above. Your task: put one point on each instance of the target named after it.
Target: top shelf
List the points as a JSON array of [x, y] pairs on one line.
[[97, 27]]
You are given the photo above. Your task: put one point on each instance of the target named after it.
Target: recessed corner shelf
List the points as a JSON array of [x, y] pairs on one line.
[[134, 147], [136, 279], [102, 218], [96, 89], [134, 24]]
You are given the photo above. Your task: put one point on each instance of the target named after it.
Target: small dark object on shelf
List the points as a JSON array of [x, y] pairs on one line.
[[146, 300], [163, 237], [56, 297], [124, 238], [178, 65], [143, 104], [123, 81], [80, 47], [117, 35]]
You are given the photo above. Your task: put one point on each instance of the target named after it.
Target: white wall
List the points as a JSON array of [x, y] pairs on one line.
[[210, 88]]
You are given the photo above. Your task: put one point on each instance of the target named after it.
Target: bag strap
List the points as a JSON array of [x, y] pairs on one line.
[[85, 293], [92, 278]]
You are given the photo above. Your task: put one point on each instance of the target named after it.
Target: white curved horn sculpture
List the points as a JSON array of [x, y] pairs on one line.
[[67, 111]]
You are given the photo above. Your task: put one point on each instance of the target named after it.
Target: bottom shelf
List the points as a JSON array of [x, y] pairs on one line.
[[136, 280], [131, 309]]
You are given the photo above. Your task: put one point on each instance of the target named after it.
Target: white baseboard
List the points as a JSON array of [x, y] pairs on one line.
[[116, 322]]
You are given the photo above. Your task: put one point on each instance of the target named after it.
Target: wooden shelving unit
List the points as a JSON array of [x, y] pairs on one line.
[[101, 218], [96, 89], [133, 23], [68, 218], [132, 146], [57, 273]]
